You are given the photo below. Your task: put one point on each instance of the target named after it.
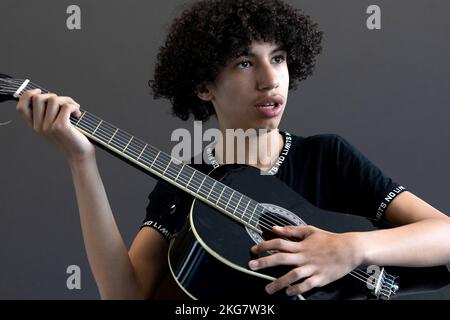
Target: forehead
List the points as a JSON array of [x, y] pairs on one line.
[[260, 48]]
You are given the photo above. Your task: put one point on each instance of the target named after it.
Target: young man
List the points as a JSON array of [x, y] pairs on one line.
[[238, 59]]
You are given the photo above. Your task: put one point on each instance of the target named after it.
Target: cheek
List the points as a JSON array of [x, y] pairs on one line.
[[235, 93], [285, 75]]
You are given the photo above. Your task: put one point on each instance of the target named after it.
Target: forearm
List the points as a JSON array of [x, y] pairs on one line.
[[106, 250], [423, 243]]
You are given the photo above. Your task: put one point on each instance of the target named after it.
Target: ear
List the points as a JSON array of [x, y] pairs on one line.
[[203, 92]]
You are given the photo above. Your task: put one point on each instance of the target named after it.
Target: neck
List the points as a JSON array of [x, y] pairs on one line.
[[252, 147]]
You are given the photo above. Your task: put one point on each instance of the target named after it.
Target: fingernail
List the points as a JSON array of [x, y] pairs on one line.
[[277, 227], [290, 292], [269, 288], [253, 249], [253, 264]]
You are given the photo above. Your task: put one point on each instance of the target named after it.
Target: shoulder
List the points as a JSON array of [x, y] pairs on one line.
[[328, 149], [320, 142], [317, 138], [326, 139]]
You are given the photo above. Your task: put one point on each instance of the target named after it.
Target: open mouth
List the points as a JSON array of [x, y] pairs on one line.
[[269, 110], [268, 105]]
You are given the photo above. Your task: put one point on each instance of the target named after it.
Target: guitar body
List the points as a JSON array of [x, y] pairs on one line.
[[209, 257]]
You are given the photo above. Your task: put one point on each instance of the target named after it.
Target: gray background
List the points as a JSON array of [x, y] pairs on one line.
[[386, 91]]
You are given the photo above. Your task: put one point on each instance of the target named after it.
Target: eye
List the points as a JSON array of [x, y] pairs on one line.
[[279, 59], [244, 64]]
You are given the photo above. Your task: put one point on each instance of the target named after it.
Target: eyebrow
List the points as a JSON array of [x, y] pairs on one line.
[[248, 53]]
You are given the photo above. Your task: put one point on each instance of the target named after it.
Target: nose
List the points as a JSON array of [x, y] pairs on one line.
[[267, 77]]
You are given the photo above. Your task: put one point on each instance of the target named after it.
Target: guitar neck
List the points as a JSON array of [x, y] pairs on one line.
[[159, 164]]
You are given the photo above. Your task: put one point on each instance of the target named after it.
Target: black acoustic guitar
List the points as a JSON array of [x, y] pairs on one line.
[[234, 208]]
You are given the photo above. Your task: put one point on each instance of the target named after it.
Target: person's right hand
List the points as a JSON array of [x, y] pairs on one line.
[[49, 115]]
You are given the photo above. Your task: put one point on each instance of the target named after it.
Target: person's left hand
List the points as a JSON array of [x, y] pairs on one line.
[[318, 259]]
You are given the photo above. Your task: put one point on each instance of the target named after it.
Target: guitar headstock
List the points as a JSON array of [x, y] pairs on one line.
[[8, 87]]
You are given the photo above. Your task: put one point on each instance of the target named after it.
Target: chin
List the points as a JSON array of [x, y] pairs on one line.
[[267, 126], [271, 124]]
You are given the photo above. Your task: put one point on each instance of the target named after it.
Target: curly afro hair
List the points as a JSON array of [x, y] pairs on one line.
[[210, 32]]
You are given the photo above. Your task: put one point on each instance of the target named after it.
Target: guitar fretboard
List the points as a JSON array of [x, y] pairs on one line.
[[169, 168], [231, 202]]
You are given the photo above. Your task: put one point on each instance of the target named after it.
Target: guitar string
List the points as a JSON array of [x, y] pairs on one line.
[[263, 221], [226, 200], [86, 127], [33, 86], [95, 123], [356, 270], [357, 273], [194, 179]]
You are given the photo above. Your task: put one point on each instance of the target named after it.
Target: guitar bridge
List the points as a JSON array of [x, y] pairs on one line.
[[386, 286]]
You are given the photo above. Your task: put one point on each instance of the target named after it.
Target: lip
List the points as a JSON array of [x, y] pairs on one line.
[[277, 99], [273, 112]]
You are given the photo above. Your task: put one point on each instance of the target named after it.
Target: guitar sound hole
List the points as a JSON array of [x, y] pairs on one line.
[[269, 219], [272, 215]]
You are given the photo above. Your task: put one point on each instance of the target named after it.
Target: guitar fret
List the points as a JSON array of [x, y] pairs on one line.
[[260, 213], [194, 183], [242, 217], [229, 200], [120, 140], [115, 132], [249, 220], [143, 149], [179, 173], [103, 131], [82, 115], [238, 203], [198, 190], [184, 172], [164, 172], [96, 128], [187, 184], [174, 168], [84, 124], [155, 159], [128, 144], [132, 149], [211, 190], [163, 162], [149, 155], [220, 195]]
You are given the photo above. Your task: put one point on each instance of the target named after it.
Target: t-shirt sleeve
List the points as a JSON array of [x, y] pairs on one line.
[[364, 189], [164, 209]]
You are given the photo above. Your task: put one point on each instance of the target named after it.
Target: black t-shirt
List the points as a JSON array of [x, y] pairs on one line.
[[325, 169]]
